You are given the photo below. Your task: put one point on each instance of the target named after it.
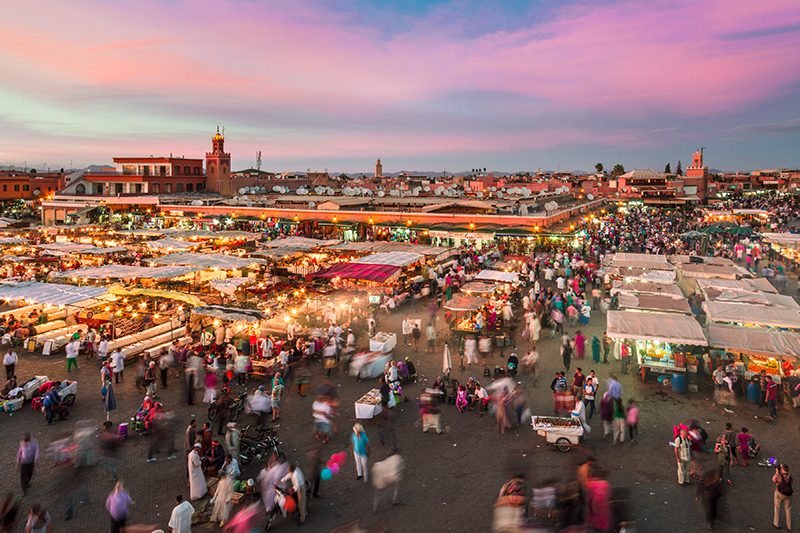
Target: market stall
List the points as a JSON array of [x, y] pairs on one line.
[[560, 431], [369, 405], [752, 315], [658, 341], [383, 342], [496, 275], [480, 288]]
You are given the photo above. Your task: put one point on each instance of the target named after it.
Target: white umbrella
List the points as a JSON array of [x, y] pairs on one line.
[[447, 364]]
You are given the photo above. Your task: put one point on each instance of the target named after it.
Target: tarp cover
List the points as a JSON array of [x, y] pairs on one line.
[[387, 246], [646, 261], [650, 302], [755, 341], [377, 273], [659, 327], [229, 313], [479, 287], [219, 261], [13, 240], [638, 287], [228, 286], [496, 275], [301, 243], [168, 243], [750, 297], [75, 248], [683, 259], [400, 259], [641, 275], [155, 293], [463, 302], [712, 271], [125, 272], [48, 293], [760, 315], [758, 284]]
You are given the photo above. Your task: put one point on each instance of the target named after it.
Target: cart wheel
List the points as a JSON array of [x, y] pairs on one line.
[[212, 412], [234, 414], [68, 400], [563, 445]]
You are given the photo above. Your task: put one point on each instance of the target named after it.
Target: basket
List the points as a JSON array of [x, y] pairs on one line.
[[13, 405]]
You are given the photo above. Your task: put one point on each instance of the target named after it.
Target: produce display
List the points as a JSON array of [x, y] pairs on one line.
[[770, 366], [554, 422], [467, 325], [381, 337]]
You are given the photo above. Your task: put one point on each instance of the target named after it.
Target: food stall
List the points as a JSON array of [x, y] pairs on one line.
[[561, 431], [480, 288], [659, 342], [466, 308], [383, 342], [762, 316], [369, 405]]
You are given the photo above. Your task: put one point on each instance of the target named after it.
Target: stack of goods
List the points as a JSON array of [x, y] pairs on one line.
[[554, 422]]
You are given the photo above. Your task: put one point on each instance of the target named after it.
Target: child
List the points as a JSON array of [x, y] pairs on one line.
[[461, 398], [632, 419], [744, 445]]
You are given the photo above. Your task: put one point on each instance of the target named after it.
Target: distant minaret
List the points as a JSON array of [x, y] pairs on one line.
[[378, 169]]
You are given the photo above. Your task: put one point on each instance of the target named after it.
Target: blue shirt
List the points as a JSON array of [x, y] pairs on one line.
[[614, 388], [360, 442]]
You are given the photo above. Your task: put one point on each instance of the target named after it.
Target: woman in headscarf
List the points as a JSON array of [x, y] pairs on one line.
[[596, 348]]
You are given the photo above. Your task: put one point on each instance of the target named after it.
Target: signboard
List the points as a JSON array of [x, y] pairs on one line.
[[48, 347]]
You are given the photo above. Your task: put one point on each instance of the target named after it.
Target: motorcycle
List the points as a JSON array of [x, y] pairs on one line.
[[236, 408], [281, 495], [262, 450]]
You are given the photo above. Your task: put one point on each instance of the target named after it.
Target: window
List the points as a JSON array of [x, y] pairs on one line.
[[16, 188], [168, 188], [199, 187], [98, 188], [176, 171], [138, 187], [179, 187], [80, 189], [118, 188], [26, 187], [5, 188], [162, 170], [186, 170], [189, 187], [156, 188], [196, 171]]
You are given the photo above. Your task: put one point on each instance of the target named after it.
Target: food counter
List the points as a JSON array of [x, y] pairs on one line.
[[369, 405]]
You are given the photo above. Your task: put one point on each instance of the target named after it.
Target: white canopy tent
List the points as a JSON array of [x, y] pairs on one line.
[[651, 302], [759, 315], [757, 284], [33, 292], [643, 261], [169, 243], [657, 327], [218, 261], [299, 243], [755, 341], [76, 248], [126, 272], [638, 287], [751, 297], [463, 302], [401, 259], [496, 275], [228, 285]]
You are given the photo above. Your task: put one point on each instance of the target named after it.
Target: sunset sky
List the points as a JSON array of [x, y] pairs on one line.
[[424, 85]]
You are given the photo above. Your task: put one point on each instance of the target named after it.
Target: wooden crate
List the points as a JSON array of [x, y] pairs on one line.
[[237, 496]]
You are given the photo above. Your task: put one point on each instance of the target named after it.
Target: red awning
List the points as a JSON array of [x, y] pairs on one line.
[[377, 273]]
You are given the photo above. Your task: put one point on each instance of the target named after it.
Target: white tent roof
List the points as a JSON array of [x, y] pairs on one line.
[[757, 284], [387, 246], [700, 259], [750, 297], [651, 302], [650, 261], [496, 275], [126, 271], [760, 315], [76, 248], [219, 261], [755, 341], [400, 259], [789, 240], [660, 327], [463, 302], [694, 270], [13, 240], [638, 287], [168, 243], [48, 293], [641, 275], [299, 243]]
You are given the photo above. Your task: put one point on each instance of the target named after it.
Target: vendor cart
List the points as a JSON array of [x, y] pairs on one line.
[[30, 388], [68, 392], [564, 433]]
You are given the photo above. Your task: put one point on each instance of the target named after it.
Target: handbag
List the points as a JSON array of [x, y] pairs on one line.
[[103, 390]]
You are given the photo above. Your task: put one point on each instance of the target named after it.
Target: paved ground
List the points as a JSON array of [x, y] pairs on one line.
[[451, 480]]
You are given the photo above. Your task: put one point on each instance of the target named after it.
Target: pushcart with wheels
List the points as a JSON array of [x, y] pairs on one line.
[[68, 392], [562, 432]]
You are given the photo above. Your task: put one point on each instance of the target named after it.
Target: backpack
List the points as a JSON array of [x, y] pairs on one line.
[[785, 485]]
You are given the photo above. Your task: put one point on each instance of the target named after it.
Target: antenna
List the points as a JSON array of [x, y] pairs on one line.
[[258, 160], [223, 132]]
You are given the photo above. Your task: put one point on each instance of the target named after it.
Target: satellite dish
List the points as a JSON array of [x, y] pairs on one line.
[[36, 192], [499, 194], [243, 197], [242, 190], [276, 188], [480, 194], [311, 205], [381, 194], [523, 210], [437, 192], [249, 204], [197, 202], [590, 196], [416, 192], [427, 189], [329, 190], [526, 192]]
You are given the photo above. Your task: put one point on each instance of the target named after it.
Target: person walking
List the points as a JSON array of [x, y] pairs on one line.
[[632, 419], [72, 355], [118, 361], [625, 351], [359, 443], [606, 347], [619, 422], [783, 495], [180, 521], [724, 459], [27, 457], [683, 454], [117, 504], [386, 476], [10, 361], [197, 480], [772, 398], [150, 380], [710, 492], [189, 440], [277, 391]]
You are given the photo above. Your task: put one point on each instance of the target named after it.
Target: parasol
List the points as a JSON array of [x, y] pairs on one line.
[[447, 364], [693, 233]]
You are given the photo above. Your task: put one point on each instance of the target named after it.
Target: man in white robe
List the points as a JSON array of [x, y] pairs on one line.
[[197, 480], [181, 519]]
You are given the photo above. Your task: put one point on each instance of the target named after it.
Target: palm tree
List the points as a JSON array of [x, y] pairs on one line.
[[619, 170], [599, 167]]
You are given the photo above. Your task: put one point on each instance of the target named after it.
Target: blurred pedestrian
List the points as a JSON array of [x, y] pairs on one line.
[[783, 496], [27, 457], [710, 491], [117, 504], [386, 476], [359, 444]]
